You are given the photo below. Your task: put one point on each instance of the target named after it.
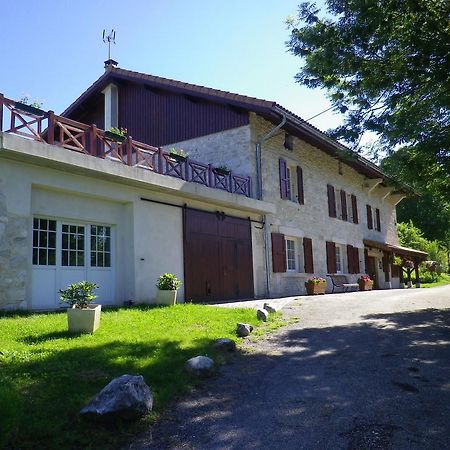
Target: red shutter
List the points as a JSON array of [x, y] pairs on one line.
[[308, 253], [283, 179], [278, 253], [331, 257], [354, 209], [350, 259], [344, 205], [331, 201], [301, 194], [369, 217], [377, 216], [356, 260]]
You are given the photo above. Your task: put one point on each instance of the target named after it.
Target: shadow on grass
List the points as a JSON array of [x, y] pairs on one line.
[[63, 381], [381, 383]]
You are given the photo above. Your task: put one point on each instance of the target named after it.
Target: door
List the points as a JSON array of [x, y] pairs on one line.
[[66, 252], [218, 257], [372, 270]]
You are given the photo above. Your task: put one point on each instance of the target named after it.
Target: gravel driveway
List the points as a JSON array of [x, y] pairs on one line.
[[367, 370]]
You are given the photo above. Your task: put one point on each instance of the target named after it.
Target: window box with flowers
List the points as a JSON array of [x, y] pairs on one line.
[[365, 283], [116, 134], [316, 286]]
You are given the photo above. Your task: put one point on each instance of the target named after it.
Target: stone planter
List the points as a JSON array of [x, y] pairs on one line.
[[166, 297], [365, 285], [316, 288], [84, 320]]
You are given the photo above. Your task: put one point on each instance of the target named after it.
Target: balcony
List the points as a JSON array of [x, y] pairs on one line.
[[46, 126]]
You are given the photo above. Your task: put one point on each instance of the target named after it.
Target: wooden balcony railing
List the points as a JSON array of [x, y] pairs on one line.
[[45, 126]]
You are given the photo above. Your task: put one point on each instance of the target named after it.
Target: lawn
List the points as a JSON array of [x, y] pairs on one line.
[[441, 281], [47, 375]]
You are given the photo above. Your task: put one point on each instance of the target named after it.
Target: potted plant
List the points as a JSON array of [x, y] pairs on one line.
[[316, 286], [26, 106], [222, 170], [178, 154], [116, 134], [365, 283], [82, 315], [168, 285]]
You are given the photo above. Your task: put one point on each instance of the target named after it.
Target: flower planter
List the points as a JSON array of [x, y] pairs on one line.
[[166, 297], [115, 137], [365, 285], [177, 158], [28, 109], [84, 320], [316, 288], [223, 172]]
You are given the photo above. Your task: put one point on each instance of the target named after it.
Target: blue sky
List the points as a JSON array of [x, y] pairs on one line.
[[52, 50]]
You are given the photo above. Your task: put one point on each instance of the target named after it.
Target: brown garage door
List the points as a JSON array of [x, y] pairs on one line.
[[217, 257]]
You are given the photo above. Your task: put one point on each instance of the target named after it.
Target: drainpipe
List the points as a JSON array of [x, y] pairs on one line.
[[259, 195]]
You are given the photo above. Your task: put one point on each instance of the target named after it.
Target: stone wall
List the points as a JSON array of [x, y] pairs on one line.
[[13, 258]]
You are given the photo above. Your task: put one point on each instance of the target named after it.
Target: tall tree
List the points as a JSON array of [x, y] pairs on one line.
[[386, 66]]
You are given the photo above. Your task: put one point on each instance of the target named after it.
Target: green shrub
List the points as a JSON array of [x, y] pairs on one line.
[[168, 282], [78, 294]]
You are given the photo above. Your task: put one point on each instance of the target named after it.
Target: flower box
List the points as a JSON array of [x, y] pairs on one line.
[[313, 288], [178, 158], [29, 109], [222, 171], [116, 137], [365, 285]]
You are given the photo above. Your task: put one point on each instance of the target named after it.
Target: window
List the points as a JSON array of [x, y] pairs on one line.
[[338, 258], [44, 242], [100, 246], [72, 251], [291, 255], [291, 182]]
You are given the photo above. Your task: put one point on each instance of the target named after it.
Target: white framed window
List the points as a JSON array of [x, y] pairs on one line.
[[339, 254], [44, 242], [73, 245], [291, 255], [100, 246]]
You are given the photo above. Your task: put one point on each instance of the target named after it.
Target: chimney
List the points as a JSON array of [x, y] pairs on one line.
[[110, 63]]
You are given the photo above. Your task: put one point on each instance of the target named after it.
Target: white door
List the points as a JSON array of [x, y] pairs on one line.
[[66, 252]]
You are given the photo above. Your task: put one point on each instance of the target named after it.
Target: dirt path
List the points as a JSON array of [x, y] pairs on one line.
[[356, 371]]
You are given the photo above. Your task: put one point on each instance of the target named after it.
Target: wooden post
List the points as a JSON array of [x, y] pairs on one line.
[[416, 273], [1, 111], [93, 140], [160, 160], [51, 128], [129, 144], [210, 176]]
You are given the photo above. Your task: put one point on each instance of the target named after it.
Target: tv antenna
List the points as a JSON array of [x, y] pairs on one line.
[[110, 39]]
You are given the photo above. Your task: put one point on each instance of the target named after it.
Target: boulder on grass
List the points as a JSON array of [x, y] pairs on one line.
[[225, 345], [262, 314], [200, 366], [126, 397], [243, 329], [269, 308]]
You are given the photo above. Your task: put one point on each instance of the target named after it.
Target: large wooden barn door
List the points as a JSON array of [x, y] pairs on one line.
[[217, 257]]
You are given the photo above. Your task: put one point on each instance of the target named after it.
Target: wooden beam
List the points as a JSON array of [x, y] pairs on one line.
[[396, 198], [384, 191], [371, 184]]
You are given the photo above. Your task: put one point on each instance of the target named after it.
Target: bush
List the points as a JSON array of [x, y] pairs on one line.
[[78, 294], [168, 282]]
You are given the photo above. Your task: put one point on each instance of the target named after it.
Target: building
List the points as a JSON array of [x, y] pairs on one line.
[[75, 204]]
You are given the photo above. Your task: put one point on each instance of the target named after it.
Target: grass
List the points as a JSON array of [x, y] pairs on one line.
[[441, 281], [47, 375]]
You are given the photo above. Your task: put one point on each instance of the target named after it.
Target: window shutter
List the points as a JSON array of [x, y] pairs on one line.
[[278, 253], [350, 259], [301, 194], [283, 179], [369, 217], [386, 267], [308, 254], [377, 216], [356, 260], [331, 257], [331, 201], [344, 205], [354, 209]]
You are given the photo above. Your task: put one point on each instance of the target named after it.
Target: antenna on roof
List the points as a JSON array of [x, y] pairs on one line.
[[109, 39]]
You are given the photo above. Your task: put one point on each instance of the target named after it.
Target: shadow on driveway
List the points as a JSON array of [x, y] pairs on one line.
[[379, 384]]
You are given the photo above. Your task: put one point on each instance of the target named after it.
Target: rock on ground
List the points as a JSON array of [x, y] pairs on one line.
[[225, 345], [262, 314], [126, 397], [243, 329], [200, 366]]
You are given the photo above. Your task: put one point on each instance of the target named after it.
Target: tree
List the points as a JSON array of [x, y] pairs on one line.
[[386, 66]]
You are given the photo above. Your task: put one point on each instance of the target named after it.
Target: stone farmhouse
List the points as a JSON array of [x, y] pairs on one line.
[[263, 201]]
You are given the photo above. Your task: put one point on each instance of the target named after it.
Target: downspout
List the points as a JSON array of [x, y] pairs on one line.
[[259, 195]]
